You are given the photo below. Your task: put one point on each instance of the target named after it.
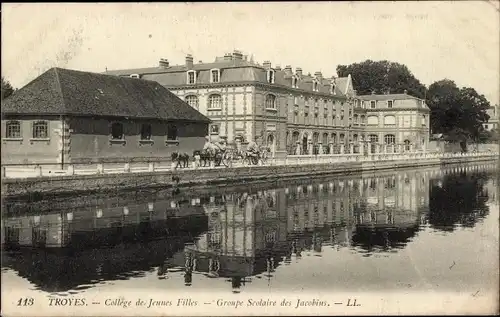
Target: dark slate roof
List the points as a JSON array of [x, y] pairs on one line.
[[69, 92], [387, 97], [231, 71]]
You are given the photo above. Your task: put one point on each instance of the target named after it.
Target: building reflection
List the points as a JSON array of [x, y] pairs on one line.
[[241, 236]]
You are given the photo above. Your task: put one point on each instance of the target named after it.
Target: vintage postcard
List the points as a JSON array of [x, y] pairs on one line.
[[264, 158]]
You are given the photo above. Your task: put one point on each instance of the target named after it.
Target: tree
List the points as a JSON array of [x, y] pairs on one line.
[[459, 114], [382, 77], [7, 89]]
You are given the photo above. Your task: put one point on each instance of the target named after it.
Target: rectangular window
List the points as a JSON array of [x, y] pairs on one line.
[[40, 130], [171, 133], [146, 131], [191, 77], [117, 131], [389, 103], [214, 129], [373, 104], [13, 130], [215, 76]]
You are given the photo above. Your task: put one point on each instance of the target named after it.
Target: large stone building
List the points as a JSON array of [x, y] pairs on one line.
[[396, 123], [66, 116], [290, 111]]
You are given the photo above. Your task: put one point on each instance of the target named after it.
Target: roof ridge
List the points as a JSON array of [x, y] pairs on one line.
[[59, 87]]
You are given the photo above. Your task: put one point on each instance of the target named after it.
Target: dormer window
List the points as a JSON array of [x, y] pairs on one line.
[[191, 77], [315, 85], [389, 103], [332, 88], [270, 76], [215, 75], [135, 76], [295, 82]]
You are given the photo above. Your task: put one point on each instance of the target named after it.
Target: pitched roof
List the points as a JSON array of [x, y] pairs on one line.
[[387, 97], [70, 92]]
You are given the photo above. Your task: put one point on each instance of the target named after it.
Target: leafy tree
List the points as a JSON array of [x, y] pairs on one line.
[[459, 114], [382, 77], [7, 89]]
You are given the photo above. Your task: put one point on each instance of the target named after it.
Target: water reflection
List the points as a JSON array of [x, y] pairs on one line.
[[236, 235]]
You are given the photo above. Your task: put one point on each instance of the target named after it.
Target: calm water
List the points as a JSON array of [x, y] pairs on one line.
[[418, 229]]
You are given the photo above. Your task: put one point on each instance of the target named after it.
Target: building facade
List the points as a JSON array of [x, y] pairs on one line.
[[492, 123], [65, 116], [395, 123], [289, 111]]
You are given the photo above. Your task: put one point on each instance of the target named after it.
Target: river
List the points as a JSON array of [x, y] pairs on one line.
[[420, 229]]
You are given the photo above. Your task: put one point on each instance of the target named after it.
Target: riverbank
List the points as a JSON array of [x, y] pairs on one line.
[[74, 184]]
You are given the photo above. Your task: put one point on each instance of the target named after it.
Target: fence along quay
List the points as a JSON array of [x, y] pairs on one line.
[[25, 180]]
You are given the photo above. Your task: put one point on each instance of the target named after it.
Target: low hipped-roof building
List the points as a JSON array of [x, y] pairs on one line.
[[73, 116]]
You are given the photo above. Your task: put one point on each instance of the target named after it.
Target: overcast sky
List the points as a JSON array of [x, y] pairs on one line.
[[436, 40]]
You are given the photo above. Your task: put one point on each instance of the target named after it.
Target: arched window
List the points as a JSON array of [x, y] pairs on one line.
[[407, 145], [389, 120], [270, 101], [315, 137], [362, 119], [389, 139], [295, 137], [146, 131], [356, 118], [172, 132], [13, 129], [424, 120], [342, 138], [334, 137], [192, 100], [215, 75], [270, 76], [372, 120], [295, 82], [215, 102], [355, 137], [117, 131], [332, 89], [325, 138]]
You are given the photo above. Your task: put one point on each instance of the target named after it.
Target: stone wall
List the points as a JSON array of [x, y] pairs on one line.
[[123, 181]]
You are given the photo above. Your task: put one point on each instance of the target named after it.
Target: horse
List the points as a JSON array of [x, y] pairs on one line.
[[205, 157], [182, 159]]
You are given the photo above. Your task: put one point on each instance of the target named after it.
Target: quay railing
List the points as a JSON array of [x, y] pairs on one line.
[[52, 169]]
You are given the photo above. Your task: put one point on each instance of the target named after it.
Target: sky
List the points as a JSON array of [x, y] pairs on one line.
[[436, 40]]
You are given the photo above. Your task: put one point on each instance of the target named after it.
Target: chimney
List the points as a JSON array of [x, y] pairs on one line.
[[163, 63], [228, 57], [267, 64], [298, 71], [278, 67], [189, 61], [288, 70], [237, 55]]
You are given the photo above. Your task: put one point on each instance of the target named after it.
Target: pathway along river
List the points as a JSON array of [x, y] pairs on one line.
[[420, 229]]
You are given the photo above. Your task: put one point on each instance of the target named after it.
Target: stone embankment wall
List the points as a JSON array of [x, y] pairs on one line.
[[60, 185]]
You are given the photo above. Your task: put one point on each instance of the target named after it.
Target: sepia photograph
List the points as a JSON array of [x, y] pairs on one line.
[[250, 158]]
